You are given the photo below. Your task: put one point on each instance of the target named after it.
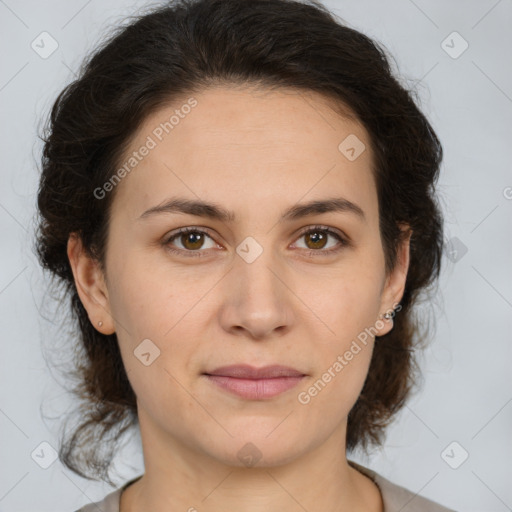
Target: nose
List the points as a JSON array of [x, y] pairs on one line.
[[257, 299]]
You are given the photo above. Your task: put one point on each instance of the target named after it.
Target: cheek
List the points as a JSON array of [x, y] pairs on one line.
[[156, 317], [146, 301], [345, 302], [339, 377], [348, 307], [330, 397]]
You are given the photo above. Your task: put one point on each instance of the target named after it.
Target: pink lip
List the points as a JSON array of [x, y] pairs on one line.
[[255, 383]]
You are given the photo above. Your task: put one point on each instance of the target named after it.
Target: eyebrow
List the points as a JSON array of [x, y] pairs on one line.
[[215, 212]]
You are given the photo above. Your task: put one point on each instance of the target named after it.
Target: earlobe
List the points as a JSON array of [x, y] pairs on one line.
[[90, 285]]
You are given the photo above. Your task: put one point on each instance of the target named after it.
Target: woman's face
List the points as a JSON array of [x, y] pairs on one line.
[[249, 285]]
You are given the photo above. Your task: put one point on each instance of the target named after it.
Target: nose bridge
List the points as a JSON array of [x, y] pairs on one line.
[[257, 299]]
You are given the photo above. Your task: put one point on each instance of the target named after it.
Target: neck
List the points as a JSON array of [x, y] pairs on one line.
[[177, 478]]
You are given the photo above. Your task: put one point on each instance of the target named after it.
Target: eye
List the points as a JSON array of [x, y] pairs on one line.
[[317, 239], [192, 239]]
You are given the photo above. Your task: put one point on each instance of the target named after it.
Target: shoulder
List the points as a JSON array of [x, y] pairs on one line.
[[398, 498], [110, 503], [395, 498]]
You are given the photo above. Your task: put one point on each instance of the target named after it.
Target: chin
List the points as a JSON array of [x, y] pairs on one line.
[[254, 449]]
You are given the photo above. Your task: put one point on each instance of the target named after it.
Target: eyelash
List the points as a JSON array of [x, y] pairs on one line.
[[311, 252]]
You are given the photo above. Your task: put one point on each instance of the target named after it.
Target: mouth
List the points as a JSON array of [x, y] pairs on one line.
[[255, 383]]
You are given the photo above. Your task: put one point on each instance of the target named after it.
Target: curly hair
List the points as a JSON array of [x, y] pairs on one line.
[[186, 46]]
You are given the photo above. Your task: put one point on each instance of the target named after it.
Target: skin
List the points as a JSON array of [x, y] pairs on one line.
[[255, 152]]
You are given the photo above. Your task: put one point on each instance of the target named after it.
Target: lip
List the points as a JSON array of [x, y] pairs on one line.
[[245, 371], [255, 383]]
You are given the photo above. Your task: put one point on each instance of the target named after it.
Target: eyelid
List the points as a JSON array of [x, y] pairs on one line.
[[328, 229], [343, 239], [188, 229]]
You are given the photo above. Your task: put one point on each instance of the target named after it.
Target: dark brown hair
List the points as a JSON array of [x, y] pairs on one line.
[[185, 46]]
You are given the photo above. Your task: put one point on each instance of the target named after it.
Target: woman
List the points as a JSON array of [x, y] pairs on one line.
[[239, 197]]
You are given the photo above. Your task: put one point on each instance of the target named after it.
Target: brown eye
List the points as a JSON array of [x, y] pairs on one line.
[[189, 242], [317, 240], [193, 240]]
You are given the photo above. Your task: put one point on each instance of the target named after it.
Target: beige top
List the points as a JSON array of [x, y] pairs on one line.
[[394, 497]]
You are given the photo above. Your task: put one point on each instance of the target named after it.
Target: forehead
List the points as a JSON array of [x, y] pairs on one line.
[[234, 145]]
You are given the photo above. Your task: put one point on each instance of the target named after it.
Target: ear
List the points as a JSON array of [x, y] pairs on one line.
[[91, 286], [394, 286]]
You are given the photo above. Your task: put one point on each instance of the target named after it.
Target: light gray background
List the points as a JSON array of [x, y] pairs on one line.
[[467, 392]]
